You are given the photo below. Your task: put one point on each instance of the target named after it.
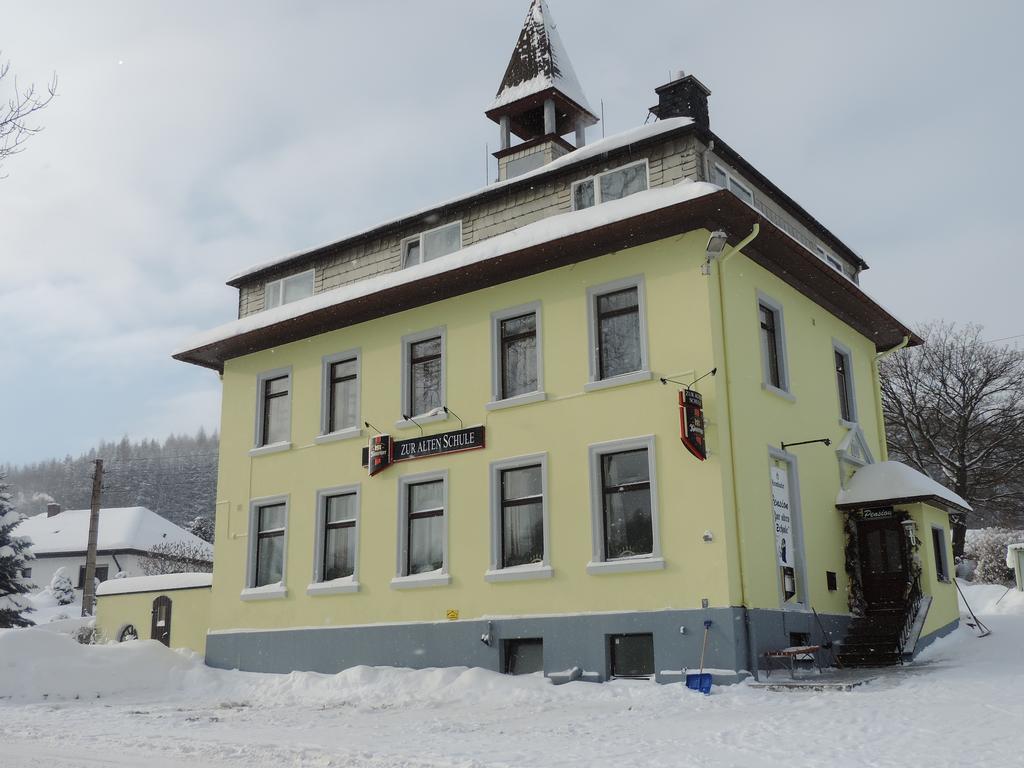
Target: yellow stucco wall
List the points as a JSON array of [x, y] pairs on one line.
[[190, 615], [763, 418], [944, 608]]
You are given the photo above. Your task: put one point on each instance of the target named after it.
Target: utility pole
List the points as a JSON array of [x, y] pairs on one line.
[[89, 584]]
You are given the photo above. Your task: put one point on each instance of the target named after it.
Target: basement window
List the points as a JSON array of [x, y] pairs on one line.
[[288, 289], [632, 655], [432, 244], [610, 185]]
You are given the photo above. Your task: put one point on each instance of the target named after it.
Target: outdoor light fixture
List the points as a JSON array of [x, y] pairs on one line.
[[406, 417], [910, 528], [368, 425], [716, 244]]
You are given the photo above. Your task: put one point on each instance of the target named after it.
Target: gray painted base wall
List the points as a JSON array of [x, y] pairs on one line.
[[569, 641], [931, 637]]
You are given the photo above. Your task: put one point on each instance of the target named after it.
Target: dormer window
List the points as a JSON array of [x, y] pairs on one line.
[[724, 179], [432, 244], [288, 289], [829, 259], [610, 185]]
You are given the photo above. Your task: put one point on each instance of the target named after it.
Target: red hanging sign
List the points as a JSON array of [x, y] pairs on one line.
[[378, 454], [691, 423]]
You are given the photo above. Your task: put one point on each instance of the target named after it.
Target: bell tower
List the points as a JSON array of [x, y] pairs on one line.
[[539, 100]]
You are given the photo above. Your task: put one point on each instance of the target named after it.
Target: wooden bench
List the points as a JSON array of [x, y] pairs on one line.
[[792, 655]]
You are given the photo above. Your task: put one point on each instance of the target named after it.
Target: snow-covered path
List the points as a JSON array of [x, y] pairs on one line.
[[960, 704]]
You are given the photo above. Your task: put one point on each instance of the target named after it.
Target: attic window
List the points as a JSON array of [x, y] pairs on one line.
[[288, 289], [610, 185], [829, 259], [724, 179], [432, 244]]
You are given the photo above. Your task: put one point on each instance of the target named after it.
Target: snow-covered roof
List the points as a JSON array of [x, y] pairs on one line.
[[539, 62], [159, 583], [596, 149], [120, 528], [545, 230], [893, 481]]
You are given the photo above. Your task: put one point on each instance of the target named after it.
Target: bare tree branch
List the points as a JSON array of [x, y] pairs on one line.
[[17, 112]]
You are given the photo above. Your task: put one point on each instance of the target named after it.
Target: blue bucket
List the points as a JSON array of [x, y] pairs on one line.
[[699, 682]]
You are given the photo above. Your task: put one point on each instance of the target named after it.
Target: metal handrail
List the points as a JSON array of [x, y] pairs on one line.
[[912, 604]]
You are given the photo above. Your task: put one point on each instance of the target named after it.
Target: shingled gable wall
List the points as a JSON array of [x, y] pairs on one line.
[[669, 161]]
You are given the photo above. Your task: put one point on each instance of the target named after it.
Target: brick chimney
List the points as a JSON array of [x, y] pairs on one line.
[[52, 509], [685, 96]]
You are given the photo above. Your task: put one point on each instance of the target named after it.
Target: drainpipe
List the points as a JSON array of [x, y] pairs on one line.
[[751, 660], [882, 442]]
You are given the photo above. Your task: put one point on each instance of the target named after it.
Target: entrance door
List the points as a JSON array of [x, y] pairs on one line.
[[161, 628], [883, 561]]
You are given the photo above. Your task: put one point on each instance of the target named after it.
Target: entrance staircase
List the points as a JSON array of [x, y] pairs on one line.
[[886, 634]]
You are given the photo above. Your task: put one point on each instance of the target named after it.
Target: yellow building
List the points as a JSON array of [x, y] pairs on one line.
[[460, 438]]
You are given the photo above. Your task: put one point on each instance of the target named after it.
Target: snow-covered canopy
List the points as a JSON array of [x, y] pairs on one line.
[[121, 528], [158, 583], [539, 63], [892, 482]]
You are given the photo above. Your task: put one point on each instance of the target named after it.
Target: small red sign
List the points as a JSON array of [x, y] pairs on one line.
[[379, 454], [691, 423]]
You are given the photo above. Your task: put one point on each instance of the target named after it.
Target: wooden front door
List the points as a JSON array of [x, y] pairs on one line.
[[883, 561], [161, 627]]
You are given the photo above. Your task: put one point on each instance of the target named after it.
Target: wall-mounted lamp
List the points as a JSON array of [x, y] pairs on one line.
[[406, 417], [716, 244], [910, 528], [368, 425]]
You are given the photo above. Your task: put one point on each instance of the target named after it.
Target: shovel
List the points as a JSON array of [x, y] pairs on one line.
[[701, 681]]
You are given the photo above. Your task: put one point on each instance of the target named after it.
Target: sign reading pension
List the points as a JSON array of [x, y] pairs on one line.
[[467, 439], [783, 517]]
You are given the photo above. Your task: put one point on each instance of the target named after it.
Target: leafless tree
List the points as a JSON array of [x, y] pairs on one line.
[[17, 115], [954, 409], [176, 557]]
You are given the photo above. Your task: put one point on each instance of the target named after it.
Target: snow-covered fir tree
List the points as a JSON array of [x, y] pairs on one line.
[[14, 555], [61, 588]]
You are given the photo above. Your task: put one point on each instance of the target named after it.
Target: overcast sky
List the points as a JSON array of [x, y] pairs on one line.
[[190, 140]]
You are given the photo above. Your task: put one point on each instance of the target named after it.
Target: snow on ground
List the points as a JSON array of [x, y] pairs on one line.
[[139, 704]]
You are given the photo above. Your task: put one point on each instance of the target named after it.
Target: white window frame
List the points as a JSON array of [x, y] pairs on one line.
[[797, 520], [518, 572], [785, 390], [269, 591], [497, 401], [732, 181], [829, 259], [258, 447], [280, 282], [336, 586], [325, 397], [407, 342], [851, 388], [418, 238], [402, 579], [644, 373], [596, 179], [942, 554], [599, 564]]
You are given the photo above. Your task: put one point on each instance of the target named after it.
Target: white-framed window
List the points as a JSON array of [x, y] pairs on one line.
[[519, 519], [432, 244], [339, 396], [624, 506], [842, 359], [939, 551], [423, 376], [273, 411], [422, 531], [336, 552], [268, 548], [610, 185], [829, 259], [288, 289], [516, 356], [724, 178], [774, 360], [617, 328]]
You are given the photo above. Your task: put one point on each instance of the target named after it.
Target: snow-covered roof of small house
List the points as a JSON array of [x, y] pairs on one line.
[[161, 582], [121, 528], [539, 63], [892, 482]]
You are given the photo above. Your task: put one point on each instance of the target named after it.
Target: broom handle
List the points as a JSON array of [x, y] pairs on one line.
[[703, 648]]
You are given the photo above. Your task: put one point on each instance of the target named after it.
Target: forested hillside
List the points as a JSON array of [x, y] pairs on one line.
[[176, 478]]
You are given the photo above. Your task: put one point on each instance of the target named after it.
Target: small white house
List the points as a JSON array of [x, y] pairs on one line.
[[125, 535]]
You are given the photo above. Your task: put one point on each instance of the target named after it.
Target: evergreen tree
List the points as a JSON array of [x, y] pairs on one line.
[[14, 554], [61, 588]]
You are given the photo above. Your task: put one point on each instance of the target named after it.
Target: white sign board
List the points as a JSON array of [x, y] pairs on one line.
[[782, 516]]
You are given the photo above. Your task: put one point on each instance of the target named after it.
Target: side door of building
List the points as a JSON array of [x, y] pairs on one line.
[[161, 625]]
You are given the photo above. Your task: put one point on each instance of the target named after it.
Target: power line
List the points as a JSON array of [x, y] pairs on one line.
[[1005, 338]]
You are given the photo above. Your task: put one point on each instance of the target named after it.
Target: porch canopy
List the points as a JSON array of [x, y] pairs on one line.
[[892, 482]]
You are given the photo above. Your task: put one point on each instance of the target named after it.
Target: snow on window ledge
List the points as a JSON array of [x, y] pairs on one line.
[[276, 591], [430, 579], [341, 434], [519, 573], [263, 450], [421, 419], [618, 381], [333, 587], [626, 565], [773, 390], [511, 402]]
